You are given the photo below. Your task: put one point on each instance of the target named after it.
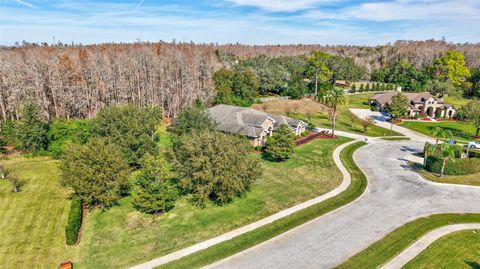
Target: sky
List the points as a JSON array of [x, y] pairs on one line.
[[369, 22]]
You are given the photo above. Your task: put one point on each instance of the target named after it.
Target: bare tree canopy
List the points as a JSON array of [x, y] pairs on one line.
[[76, 81]]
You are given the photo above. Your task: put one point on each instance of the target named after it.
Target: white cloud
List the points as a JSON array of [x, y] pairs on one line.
[[416, 10], [25, 3], [279, 5]]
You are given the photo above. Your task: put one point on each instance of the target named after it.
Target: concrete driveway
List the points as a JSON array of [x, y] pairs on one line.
[[395, 195]]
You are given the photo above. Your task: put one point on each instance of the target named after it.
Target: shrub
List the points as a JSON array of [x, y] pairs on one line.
[[31, 129], [4, 172], [154, 190], [130, 128], [96, 171], [214, 166], [306, 133], [74, 221], [258, 148], [192, 118], [62, 132], [456, 167], [17, 183], [280, 146], [354, 88], [7, 133]]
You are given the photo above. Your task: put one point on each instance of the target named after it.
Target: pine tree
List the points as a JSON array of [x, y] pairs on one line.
[[154, 190], [32, 129], [280, 146], [354, 88], [362, 88]]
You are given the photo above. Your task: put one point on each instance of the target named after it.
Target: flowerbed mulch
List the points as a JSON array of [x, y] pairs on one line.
[[313, 136]]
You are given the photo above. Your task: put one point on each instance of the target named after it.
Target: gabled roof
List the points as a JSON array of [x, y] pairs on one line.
[[246, 121], [386, 97]]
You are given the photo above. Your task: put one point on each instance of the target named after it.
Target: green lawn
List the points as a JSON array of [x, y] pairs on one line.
[[391, 245], [32, 222], [344, 123], [358, 100], [257, 236], [461, 130], [456, 250], [473, 179], [456, 101], [110, 237]]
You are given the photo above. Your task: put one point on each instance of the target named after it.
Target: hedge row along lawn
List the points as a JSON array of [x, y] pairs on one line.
[[74, 221], [473, 179], [394, 243], [250, 239], [456, 250]]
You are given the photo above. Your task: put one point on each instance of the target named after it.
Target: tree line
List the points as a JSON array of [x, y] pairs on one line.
[[77, 81], [447, 74]]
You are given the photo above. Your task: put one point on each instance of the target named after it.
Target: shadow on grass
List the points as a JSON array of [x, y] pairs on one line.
[[473, 265], [456, 132]]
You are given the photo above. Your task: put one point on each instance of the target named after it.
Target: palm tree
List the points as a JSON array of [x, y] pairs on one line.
[[440, 132], [333, 98], [427, 149], [448, 153]]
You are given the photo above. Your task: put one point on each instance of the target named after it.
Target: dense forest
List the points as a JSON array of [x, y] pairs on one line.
[[76, 81]]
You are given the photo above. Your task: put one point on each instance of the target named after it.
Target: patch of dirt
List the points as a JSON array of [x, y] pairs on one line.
[[305, 105]]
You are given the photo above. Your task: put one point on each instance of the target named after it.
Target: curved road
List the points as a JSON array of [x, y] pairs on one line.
[[395, 195]]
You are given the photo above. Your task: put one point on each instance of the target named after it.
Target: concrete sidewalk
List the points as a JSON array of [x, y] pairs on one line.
[[422, 244], [232, 234]]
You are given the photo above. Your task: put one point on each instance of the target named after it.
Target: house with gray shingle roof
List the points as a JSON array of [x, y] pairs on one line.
[[419, 103], [256, 125]]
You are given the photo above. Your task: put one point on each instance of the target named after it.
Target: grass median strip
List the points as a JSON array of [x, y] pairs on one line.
[[250, 239], [394, 243], [456, 250]]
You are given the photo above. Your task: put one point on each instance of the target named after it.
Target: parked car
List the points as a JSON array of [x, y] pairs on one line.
[[475, 145]]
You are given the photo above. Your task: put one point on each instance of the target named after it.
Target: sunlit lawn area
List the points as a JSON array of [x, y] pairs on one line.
[[319, 113], [473, 179], [457, 250], [456, 101], [385, 249], [460, 130], [33, 221]]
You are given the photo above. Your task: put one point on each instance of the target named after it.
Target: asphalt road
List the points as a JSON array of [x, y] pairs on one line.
[[395, 195]]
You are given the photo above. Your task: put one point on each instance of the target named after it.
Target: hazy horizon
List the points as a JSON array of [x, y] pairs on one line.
[[249, 22]]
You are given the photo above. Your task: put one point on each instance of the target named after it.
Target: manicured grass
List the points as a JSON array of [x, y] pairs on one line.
[[473, 179], [358, 100], [391, 245], [121, 236], [32, 222], [319, 113], [396, 138], [245, 241], [344, 124], [461, 130], [456, 250]]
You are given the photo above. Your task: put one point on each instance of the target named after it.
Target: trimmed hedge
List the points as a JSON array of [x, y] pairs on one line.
[[457, 167], [74, 221]]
